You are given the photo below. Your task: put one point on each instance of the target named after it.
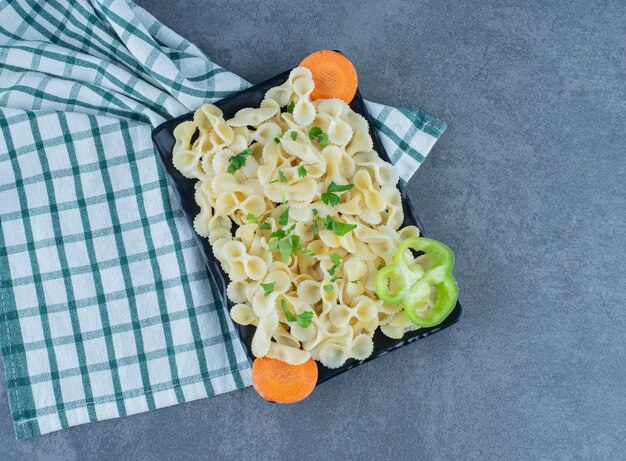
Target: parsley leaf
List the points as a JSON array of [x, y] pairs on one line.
[[272, 182], [283, 219], [355, 281], [314, 211], [282, 176], [290, 107], [334, 279], [323, 140], [304, 319], [330, 197], [238, 161], [302, 171], [289, 315], [338, 228], [315, 229], [256, 219], [265, 226], [267, 288], [328, 288], [277, 140], [336, 260], [315, 131], [294, 135]]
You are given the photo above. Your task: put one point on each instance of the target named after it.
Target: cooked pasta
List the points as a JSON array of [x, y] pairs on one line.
[[301, 214]]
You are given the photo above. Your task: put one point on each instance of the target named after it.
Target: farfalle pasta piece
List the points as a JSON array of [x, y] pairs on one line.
[[210, 118], [361, 142], [263, 303], [304, 110], [263, 335], [339, 165], [185, 157], [287, 354], [243, 315], [329, 112], [372, 197], [202, 219], [283, 94], [219, 228], [239, 264], [253, 117], [384, 173], [398, 326]]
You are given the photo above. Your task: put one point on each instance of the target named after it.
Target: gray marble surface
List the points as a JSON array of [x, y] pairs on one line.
[[528, 186]]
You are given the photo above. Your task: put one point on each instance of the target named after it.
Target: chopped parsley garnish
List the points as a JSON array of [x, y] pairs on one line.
[[239, 160], [294, 135], [267, 288], [322, 138], [334, 279], [315, 131], [328, 288], [282, 176], [283, 219], [274, 181], [256, 219], [301, 171], [336, 260], [330, 197], [338, 228], [277, 140], [304, 319], [286, 246], [290, 107], [355, 281], [265, 226], [315, 228]]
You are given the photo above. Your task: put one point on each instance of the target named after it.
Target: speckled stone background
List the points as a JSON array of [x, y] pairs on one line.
[[528, 186]]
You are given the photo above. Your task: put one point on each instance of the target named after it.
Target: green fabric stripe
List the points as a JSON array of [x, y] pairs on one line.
[[230, 351], [138, 392], [185, 280], [69, 289], [91, 253], [121, 253], [425, 122], [398, 141], [64, 206], [65, 172], [110, 295], [56, 387], [27, 380], [95, 334], [21, 401], [105, 264], [100, 110]]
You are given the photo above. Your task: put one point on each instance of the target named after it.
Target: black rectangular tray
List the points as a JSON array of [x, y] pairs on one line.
[[163, 137]]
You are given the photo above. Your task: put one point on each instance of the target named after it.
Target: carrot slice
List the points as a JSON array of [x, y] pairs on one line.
[[333, 74], [280, 382]]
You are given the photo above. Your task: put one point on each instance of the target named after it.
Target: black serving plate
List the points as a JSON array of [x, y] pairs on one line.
[[163, 137]]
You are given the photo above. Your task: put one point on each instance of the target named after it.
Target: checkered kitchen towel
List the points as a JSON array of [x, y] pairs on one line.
[[106, 306]]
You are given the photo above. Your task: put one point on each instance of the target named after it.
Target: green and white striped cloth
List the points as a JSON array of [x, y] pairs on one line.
[[107, 308]]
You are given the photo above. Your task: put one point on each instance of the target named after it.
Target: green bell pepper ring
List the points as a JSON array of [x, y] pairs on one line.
[[411, 284]]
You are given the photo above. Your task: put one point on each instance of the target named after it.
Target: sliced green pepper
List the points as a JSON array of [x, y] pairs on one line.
[[411, 284]]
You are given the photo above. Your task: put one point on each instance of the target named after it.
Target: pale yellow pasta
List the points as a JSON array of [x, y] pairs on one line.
[[263, 181]]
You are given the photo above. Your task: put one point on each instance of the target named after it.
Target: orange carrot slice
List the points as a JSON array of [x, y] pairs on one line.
[[280, 382], [333, 74]]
